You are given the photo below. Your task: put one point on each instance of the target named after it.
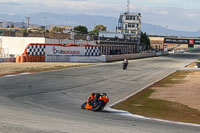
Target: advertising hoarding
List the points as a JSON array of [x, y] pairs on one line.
[[68, 51], [196, 41], [182, 41], [191, 41], [179, 41]]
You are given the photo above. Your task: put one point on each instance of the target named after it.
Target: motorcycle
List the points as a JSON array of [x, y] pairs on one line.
[[124, 64], [96, 102]]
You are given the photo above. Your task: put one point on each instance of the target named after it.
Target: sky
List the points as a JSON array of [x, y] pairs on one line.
[[175, 14]]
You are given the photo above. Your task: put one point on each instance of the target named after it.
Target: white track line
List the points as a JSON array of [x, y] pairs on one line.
[[13, 75], [125, 113]]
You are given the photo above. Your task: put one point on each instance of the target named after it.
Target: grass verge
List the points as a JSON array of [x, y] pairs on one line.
[[14, 68], [142, 104]]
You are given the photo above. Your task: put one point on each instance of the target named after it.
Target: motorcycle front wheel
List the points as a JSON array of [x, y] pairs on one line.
[[83, 105]]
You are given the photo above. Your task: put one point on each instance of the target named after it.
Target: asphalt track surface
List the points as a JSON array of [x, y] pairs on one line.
[[49, 102]]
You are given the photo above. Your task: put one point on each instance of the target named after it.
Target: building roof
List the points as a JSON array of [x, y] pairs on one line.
[[131, 13]]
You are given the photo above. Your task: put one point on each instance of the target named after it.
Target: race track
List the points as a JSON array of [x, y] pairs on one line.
[[49, 102]]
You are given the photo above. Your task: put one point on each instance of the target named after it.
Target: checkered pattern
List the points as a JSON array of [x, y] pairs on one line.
[[92, 51], [36, 50]]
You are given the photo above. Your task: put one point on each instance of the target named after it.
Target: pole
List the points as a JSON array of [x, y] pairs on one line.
[[128, 5], [45, 21], [28, 20], [167, 31]]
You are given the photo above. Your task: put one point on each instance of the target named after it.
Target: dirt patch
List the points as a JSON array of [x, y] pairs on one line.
[[13, 68], [187, 93], [175, 98]]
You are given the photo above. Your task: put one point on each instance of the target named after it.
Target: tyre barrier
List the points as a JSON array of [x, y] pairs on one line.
[[30, 58]]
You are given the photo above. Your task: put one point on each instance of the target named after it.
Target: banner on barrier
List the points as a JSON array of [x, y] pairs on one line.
[[59, 49], [69, 51]]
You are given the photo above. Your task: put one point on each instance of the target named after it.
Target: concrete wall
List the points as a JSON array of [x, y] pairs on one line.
[[7, 59], [110, 58], [16, 45], [103, 58], [63, 58], [57, 58], [88, 58]]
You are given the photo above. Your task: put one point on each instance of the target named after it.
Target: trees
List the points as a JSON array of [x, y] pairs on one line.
[[42, 28], [98, 28], [12, 25], [57, 29], [145, 40], [81, 29]]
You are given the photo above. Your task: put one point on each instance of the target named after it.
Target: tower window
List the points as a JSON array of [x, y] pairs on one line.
[[130, 18], [131, 25]]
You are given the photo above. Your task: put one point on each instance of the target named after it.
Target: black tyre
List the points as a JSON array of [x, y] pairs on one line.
[[83, 105], [99, 106], [124, 66]]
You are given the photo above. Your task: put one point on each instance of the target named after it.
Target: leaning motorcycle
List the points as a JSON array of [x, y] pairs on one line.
[[96, 104]]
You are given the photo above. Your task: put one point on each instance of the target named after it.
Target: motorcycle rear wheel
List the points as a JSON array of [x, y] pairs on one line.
[[99, 106]]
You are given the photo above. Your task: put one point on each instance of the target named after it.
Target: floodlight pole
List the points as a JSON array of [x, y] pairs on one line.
[[128, 5]]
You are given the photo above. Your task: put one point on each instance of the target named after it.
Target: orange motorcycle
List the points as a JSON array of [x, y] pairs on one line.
[[96, 102]]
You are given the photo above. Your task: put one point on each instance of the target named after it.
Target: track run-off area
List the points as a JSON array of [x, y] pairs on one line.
[[49, 102]]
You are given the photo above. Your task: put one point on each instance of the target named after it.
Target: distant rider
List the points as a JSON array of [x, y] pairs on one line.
[[125, 61], [125, 64]]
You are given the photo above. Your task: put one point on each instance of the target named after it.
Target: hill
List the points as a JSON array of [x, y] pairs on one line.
[[88, 21]]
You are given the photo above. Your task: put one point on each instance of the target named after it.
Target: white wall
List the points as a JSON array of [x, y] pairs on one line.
[[65, 58], [57, 58], [17, 45], [88, 58]]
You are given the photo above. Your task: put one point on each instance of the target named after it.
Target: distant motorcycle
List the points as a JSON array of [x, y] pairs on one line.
[[96, 102], [125, 64]]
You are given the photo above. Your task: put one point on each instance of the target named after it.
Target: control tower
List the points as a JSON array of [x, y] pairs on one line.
[[130, 25]]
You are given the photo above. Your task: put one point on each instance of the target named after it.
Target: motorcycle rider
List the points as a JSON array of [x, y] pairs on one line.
[[95, 102], [125, 63], [93, 98]]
